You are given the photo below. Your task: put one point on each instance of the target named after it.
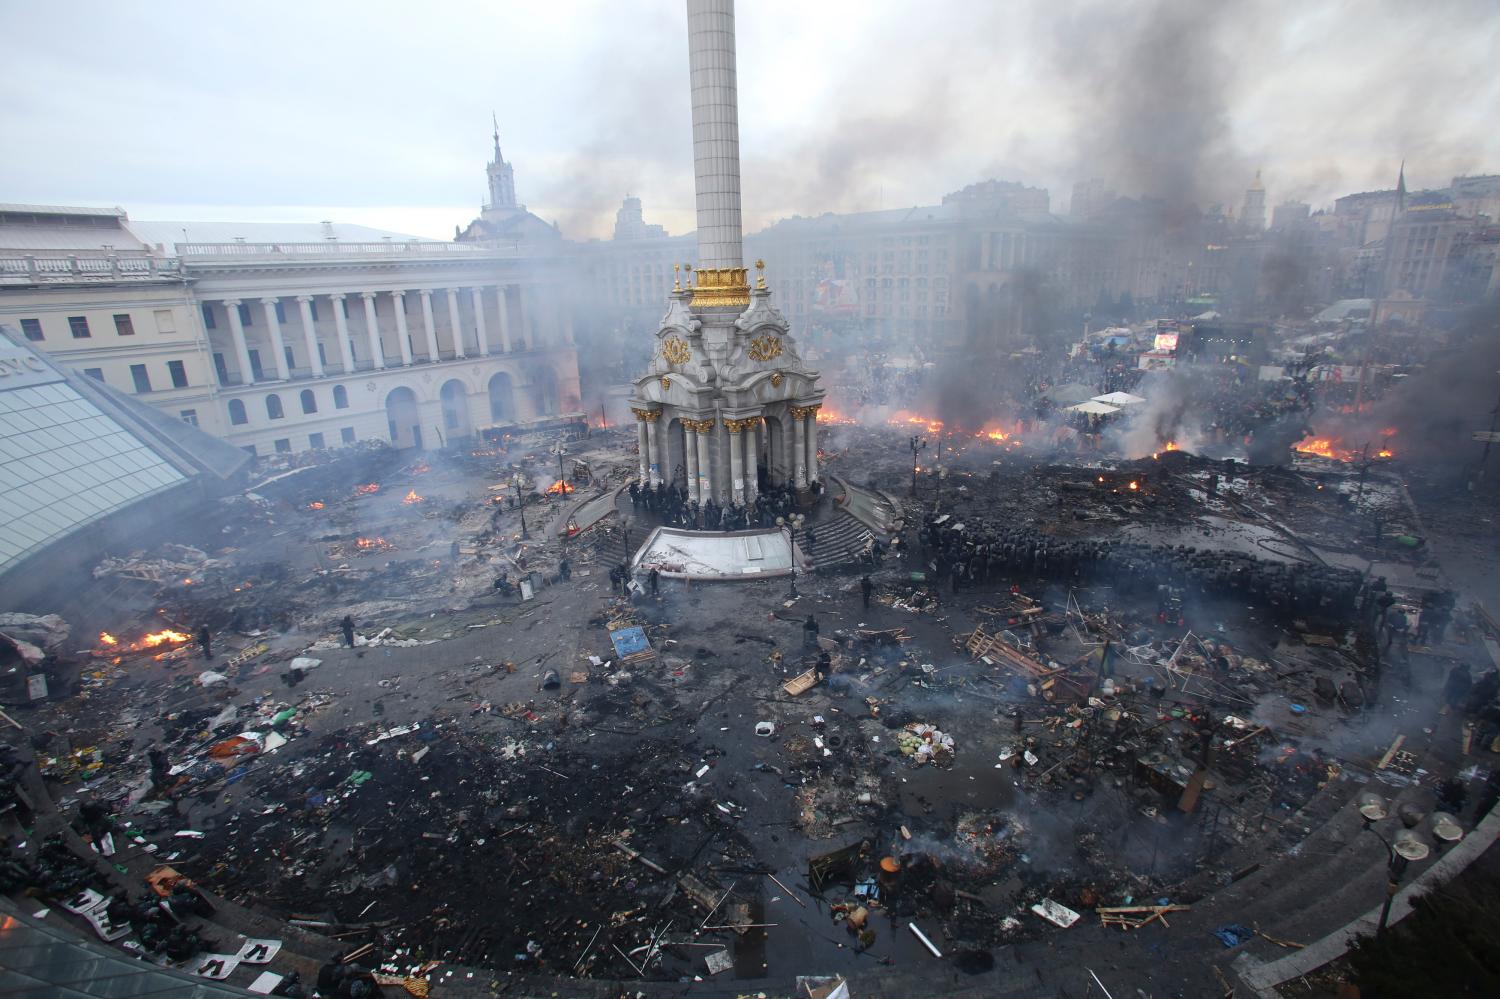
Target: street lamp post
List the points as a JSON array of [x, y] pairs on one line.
[[562, 450], [917, 444], [1400, 850], [516, 482]]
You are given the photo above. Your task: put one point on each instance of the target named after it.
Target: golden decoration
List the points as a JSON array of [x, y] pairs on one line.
[[740, 426], [675, 350], [776, 380], [765, 347], [760, 275], [721, 286], [803, 412], [666, 382], [646, 415], [676, 277], [699, 426]]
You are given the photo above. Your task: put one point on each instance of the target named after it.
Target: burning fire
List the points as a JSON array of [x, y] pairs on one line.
[[411, 497], [1169, 446], [155, 639], [371, 544], [559, 488], [420, 468], [904, 417], [367, 489], [315, 505], [827, 415]]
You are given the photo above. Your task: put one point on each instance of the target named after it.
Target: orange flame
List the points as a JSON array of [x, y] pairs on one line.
[[315, 505], [106, 639], [367, 489], [904, 417], [832, 416], [1326, 447], [559, 488], [420, 468], [371, 544], [167, 636], [411, 497]]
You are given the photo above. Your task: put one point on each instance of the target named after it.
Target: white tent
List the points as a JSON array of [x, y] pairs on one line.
[[1118, 399], [1094, 408]]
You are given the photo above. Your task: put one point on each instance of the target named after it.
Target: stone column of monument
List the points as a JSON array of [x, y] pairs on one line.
[[716, 132], [645, 445], [241, 346], [654, 466], [278, 346], [812, 444], [705, 481], [372, 330], [736, 460], [476, 294], [504, 301], [752, 454], [799, 447], [310, 335], [429, 329], [690, 457]]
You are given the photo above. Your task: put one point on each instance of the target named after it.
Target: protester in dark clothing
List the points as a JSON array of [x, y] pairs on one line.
[[565, 570], [1456, 687], [866, 588], [205, 642], [810, 631], [348, 625], [653, 579]]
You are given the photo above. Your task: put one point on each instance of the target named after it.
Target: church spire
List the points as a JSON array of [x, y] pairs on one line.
[[501, 177], [1401, 188], [496, 122]]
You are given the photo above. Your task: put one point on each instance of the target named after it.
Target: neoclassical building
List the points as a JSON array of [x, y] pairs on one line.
[[726, 397]]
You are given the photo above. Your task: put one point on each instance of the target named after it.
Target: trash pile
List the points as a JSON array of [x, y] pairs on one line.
[[924, 743]]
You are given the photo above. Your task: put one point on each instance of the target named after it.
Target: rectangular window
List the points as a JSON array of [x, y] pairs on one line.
[[283, 445], [220, 368], [79, 327], [189, 416], [247, 318], [123, 324], [312, 310], [97, 374], [347, 435], [256, 371], [315, 441], [141, 378], [248, 449], [208, 317], [291, 360], [32, 328], [178, 371]]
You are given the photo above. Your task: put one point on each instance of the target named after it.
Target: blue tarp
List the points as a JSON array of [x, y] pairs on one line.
[[629, 641]]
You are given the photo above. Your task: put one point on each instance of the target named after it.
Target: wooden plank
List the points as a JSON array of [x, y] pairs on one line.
[[1390, 754]]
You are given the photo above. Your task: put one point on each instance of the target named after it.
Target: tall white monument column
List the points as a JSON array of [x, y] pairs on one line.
[[428, 327], [372, 330], [403, 341], [655, 449], [504, 299], [453, 323], [716, 132], [644, 442], [752, 460], [237, 334], [476, 295], [310, 335], [278, 345]]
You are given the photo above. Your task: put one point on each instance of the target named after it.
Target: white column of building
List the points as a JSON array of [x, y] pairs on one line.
[[372, 330], [476, 295], [278, 345], [523, 316], [568, 325], [346, 351], [398, 302], [736, 461], [453, 324], [504, 299], [237, 334], [310, 334], [428, 327], [690, 457], [812, 446], [644, 440], [655, 448], [705, 469], [799, 448]]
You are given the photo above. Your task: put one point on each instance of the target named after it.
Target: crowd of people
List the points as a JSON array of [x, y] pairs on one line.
[[670, 504]]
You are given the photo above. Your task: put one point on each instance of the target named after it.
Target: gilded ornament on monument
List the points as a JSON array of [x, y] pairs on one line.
[[776, 380], [765, 347], [675, 350], [666, 382]]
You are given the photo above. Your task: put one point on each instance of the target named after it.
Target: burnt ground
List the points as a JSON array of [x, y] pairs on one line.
[[490, 835]]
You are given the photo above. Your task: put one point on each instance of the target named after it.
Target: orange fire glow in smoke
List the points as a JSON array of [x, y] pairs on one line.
[[559, 488], [904, 417], [367, 489], [833, 416], [371, 544], [315, 505], [411, 497], [153, 640]]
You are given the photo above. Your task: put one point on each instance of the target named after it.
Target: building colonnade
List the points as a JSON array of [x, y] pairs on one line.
[[391, 336]]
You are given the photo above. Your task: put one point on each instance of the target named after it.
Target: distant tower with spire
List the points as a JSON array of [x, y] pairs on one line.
[[1253, 214], [502, 180]]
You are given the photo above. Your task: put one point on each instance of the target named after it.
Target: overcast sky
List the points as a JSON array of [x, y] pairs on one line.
[[379, 112]]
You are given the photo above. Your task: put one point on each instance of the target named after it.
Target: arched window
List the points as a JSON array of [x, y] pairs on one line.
[[273, 407], [309, 401], [237, 414], [340, 397]]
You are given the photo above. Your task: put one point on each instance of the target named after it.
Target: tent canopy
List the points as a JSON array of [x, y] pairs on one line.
[[1118, 399], [1094, 408]]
